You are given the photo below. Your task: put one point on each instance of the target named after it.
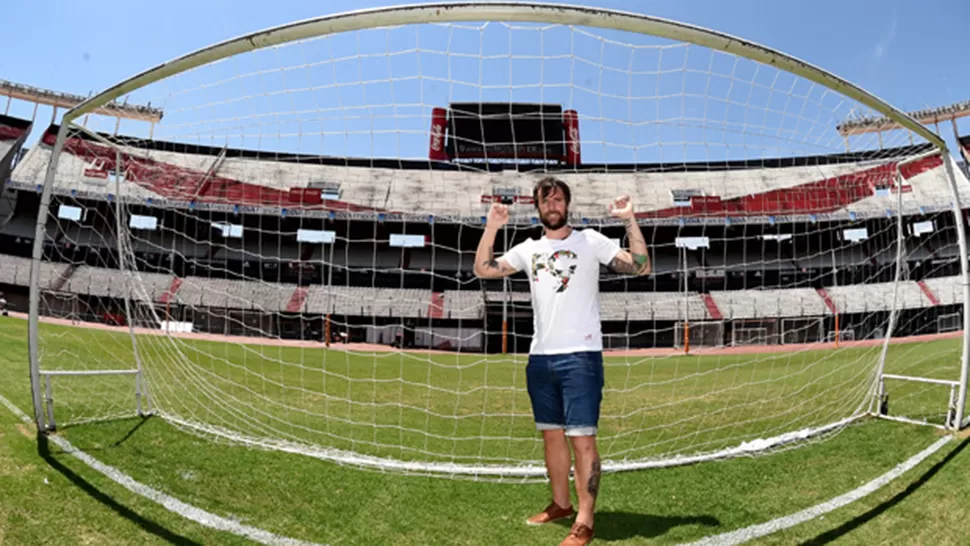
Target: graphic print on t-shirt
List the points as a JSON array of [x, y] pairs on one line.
[[557, 265]]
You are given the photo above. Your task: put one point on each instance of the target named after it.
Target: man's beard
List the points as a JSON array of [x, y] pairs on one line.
[[560, 222]]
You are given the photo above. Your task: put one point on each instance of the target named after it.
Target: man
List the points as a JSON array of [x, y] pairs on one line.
[[565, 370]]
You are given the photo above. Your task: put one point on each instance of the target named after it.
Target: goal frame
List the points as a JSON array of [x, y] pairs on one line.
[[796, 328], [696, 333], [474, 12], [767, 326], [941, 318]]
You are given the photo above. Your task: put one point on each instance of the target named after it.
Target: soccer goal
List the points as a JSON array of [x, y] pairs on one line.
[[802, 330], [836, 336], [754, 332], [281, 253], [699, 334], [951, 322]]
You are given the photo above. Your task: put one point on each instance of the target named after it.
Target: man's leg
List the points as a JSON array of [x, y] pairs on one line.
[[547, 408], [582, 379], [557, 464], [587, 477]]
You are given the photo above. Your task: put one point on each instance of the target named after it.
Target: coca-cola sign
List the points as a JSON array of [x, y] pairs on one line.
[[436, 147], [437, 138], [574, 140], [570, 120]]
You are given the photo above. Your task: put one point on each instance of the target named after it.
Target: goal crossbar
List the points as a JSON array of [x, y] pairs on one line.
[[506, 11]]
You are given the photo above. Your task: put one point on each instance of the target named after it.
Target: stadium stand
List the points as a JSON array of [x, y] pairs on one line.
[[752, 304], [368, 302], [463, 304], [648, 306], [948, 290], [16, 271], [13, 135], [865, 298], [191, 269], [166, 170]]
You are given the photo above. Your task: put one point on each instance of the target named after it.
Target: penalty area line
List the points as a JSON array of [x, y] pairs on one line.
[[741, 536], [169, 502]]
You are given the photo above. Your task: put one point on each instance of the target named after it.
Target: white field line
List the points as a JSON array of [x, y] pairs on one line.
[[741, 536], [170, 503]]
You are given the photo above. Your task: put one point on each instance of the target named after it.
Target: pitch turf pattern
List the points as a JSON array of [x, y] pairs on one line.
[[475, 409], [313, 500]]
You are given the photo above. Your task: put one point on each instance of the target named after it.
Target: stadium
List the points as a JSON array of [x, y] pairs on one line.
[[292, 269], [263, 269]]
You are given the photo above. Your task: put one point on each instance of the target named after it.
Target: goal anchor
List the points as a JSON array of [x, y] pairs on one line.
[[48, 399], [882, 400]]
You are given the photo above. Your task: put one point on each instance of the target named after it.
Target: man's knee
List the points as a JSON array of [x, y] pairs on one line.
[[584, 444], [554, 436]]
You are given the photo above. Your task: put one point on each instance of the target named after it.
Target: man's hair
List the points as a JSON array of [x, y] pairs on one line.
[[547, 186]]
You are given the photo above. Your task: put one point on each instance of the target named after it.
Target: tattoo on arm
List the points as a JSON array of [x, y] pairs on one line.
[[593, 487], [623, 267], [491, 263], [490, 260]]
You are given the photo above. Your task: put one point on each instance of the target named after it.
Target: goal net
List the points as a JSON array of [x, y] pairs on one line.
[[285, 259]]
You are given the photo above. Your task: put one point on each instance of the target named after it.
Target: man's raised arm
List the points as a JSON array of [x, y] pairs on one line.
[[486, 266], [637, 260]]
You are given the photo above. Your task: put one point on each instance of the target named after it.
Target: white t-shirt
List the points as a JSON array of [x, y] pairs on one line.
[[564, 280]]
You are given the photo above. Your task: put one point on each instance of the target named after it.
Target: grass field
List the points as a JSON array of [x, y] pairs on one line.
[[471, 409], [675, 405]]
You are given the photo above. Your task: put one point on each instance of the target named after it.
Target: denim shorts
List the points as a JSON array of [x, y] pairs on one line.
[[566, 391]]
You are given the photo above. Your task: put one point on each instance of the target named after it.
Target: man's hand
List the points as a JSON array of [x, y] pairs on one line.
[[637, 260], [498, 216], [486, 266], [622, 207]]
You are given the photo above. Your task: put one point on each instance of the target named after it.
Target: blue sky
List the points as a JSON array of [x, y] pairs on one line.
[[907, 53]]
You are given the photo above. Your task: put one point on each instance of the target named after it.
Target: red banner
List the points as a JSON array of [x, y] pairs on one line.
[[305, 196], [704, 201], [436, 148], [570, 121]]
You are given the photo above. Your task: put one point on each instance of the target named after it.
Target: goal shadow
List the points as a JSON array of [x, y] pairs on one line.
[[150, 526], [860, 520]]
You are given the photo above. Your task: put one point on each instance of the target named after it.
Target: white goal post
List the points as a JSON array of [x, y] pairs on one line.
[[335, 107]]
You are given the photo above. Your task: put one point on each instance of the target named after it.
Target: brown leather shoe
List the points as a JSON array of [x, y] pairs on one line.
[[552, 512], [580, 535]]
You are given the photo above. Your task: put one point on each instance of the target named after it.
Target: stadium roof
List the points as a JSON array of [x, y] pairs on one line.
[[58, 99], [925, 116]]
